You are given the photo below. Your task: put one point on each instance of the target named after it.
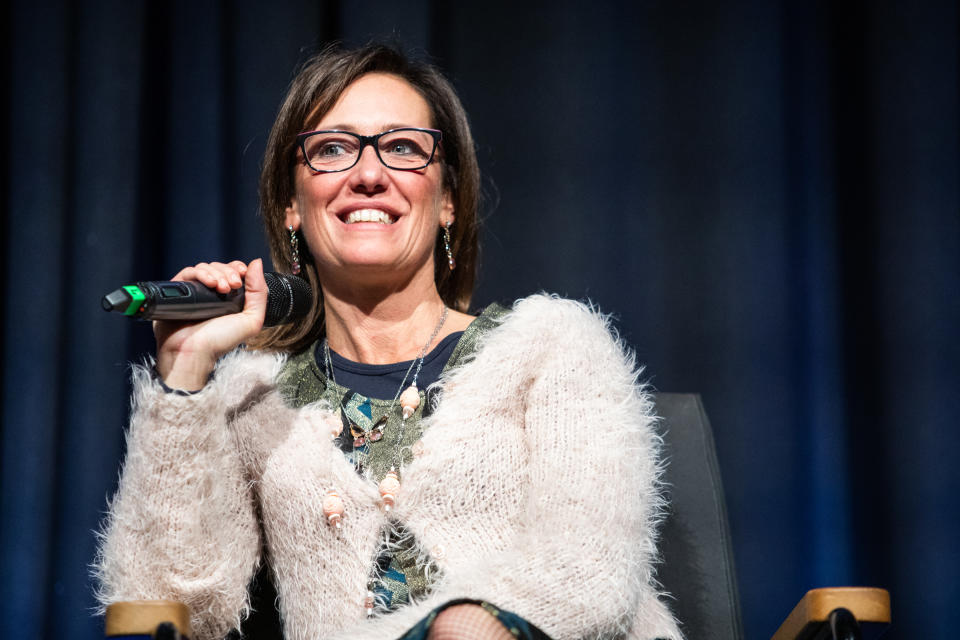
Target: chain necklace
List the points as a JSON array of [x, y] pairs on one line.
[[409, 400]]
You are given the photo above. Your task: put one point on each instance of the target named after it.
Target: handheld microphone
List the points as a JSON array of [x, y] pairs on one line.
[[288, 299]]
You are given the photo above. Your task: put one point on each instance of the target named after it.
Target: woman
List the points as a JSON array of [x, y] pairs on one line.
[[522, 480]]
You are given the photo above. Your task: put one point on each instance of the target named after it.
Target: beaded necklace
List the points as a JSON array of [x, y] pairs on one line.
[[409, 400]]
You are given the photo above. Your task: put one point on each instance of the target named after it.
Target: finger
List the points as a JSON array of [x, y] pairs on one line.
[[187, 273], [255, 294], [228, 276], [203, 273], [223, 276], [236, 271], [215, 275]]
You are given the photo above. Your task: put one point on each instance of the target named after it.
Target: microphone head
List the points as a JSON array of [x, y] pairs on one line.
[[288, 299]]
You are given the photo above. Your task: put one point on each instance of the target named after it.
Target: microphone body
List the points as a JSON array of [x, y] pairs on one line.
[[288, 299]]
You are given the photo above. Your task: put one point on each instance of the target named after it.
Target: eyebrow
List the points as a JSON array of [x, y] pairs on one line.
[[353, 128]]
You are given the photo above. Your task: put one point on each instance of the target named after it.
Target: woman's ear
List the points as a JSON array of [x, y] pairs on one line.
[[293, 215], [447, 209]]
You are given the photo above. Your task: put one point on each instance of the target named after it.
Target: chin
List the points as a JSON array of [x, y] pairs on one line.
[[370, 264]]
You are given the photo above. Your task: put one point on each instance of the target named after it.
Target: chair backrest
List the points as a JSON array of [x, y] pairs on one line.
[[697, 568]]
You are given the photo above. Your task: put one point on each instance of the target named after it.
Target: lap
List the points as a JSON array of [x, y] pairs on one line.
[[474, 619]]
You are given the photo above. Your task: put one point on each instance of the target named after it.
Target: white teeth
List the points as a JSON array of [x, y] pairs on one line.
[[368, 215]]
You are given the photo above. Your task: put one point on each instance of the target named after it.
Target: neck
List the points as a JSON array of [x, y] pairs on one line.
[[381, 327]]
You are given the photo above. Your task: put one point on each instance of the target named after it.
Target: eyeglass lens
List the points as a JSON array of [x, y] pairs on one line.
[[399, 149]]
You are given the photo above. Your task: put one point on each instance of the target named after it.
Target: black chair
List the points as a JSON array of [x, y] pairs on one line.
[[698, 568]]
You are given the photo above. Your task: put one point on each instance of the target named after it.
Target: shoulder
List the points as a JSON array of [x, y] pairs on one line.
[[546, 322], [566, 356], [546, 332], [546, 313]]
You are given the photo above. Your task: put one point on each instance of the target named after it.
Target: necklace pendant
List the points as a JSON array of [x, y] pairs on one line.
[[410, 400], [361, 437], [389, 487]]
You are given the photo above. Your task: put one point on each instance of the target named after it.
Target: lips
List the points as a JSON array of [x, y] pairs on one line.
[[368, 215]]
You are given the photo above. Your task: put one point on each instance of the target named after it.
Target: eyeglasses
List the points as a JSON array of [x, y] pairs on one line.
[[407, 149]]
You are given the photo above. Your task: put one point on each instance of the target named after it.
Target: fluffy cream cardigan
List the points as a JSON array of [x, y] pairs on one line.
[[535, 488]]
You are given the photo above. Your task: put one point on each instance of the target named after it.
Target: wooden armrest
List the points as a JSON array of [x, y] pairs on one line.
[[141, 617], [870, 606]]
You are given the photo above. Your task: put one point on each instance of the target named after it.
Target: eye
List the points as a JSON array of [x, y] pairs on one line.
[[412, 145], [403, 147], [330, 149]]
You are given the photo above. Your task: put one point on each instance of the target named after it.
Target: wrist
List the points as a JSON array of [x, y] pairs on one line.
[[155, 374], [183, 372]]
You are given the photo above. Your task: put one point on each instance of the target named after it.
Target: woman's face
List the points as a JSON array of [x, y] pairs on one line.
[[415, 202]]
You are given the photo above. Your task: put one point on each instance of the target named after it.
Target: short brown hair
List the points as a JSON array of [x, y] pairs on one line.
[[315, 89]]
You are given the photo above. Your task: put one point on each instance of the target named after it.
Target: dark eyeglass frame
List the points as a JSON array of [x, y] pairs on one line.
[[371, 141]]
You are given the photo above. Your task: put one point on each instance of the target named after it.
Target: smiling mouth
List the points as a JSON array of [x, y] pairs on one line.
[[368, 215]]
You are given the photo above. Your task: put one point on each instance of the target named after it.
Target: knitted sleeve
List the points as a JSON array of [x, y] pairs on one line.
[[583, 565], [182, 524]]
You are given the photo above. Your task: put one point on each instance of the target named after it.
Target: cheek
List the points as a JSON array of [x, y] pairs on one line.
[[430, 193], [315, 191], [314, 195]]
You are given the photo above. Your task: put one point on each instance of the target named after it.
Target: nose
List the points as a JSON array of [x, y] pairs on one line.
[[368, 175]]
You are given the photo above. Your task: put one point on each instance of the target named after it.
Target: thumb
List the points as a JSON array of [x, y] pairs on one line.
[[255, 292]]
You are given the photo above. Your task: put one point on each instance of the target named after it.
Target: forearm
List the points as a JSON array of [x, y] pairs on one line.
[[181, 525]]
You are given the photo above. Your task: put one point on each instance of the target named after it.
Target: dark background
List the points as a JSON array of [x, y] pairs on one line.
[[765, 195]]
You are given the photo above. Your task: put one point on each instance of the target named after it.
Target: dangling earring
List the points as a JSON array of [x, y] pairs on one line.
[[446, 245], [295, 251]]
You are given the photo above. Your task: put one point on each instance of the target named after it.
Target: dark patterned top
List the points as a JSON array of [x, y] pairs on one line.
[[396, 576]]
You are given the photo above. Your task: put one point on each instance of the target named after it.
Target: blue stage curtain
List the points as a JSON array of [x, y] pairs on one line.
[[765, 194]]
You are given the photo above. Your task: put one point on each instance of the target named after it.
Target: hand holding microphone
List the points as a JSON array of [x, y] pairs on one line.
[[219, 306]]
